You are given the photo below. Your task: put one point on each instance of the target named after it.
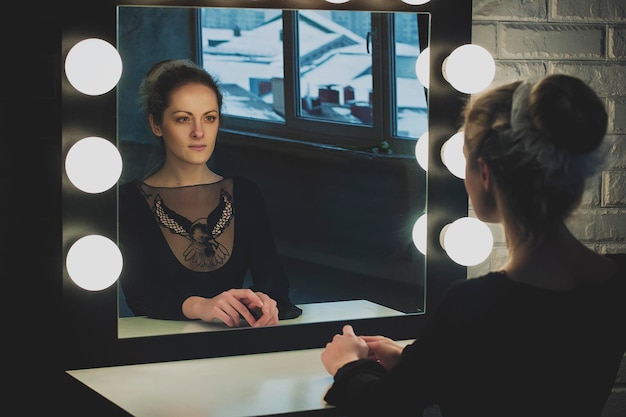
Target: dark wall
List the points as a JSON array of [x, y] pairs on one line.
[[147, 35], [348, 210]]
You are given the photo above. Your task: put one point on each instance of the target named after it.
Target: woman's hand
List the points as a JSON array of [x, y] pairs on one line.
[[230, 306], [383, 350], [265, 314], [344, 348]]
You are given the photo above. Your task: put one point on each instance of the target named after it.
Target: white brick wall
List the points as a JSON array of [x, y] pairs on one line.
[[586, 38]]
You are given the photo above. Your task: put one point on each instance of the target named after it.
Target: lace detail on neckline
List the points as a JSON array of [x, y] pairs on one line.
[[196, 221], [155, 187]]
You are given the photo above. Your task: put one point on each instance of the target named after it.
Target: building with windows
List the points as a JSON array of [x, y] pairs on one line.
[[335, 66]]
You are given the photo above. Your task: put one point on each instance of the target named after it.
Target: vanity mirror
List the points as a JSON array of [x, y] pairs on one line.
[[323, 110]]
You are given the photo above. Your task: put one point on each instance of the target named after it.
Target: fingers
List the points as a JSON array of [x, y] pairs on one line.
[[344, 347], [348, 330], [265, 307], [229, 310], [269, 311], [369, 339], [247, 296], [231, 306]]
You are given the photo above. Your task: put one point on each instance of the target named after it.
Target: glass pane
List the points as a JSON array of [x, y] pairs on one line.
[[411, 102], [335, 66], [244, 49]]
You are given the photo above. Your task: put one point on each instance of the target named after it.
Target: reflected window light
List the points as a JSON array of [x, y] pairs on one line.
[[93, 165], [452, 155], [422, 67], [419, 233], [93, 66], [415, 2], [94, 262], [469, 68], [421, 151], [337, 1], [467, 241]]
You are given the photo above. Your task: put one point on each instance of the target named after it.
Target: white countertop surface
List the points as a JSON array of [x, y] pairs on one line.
[[235, 386]]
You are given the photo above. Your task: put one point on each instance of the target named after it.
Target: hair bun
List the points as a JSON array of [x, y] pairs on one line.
[[569, 113]]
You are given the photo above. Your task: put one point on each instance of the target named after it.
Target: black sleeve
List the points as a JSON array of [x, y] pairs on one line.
[[266, 267], [146, 290], [365, 388]]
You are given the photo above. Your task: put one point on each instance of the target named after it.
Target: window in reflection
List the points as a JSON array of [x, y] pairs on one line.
[[410, 104], [335, 66], [335, 78], [244, 49]]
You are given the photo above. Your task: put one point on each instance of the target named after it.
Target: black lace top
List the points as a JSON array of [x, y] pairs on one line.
[[196, 240]]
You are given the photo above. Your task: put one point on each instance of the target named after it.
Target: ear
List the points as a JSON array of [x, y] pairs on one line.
[[485, 173], [156, 129]]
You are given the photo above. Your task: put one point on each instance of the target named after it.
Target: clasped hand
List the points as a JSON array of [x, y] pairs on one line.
[[348, 347], [229, 307]]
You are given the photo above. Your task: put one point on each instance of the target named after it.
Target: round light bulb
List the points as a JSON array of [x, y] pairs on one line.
[[93, 165], [422, 67], [452, 155], [467, 241], [419, 233], [421, 151], [94, 262], [93, 66], [415, 2], [469, 68]]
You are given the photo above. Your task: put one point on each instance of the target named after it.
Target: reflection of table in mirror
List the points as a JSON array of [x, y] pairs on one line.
[[264, 384], [311, 313]]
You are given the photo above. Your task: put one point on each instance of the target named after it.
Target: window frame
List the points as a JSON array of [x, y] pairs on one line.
[[327, 133]]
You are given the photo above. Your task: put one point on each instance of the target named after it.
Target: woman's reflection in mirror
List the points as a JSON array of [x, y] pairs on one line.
[[190, 236], [544, 334]]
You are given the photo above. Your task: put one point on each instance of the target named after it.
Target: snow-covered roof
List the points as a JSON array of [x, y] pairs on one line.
[[330, 54]]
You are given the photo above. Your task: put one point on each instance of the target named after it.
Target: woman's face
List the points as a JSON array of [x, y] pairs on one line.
[[190, 124]]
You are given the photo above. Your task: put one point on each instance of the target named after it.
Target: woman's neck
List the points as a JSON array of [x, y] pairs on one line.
[[557, 261], [170, 176]]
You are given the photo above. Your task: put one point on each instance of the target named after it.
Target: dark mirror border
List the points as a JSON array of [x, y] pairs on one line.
[[90, 318]]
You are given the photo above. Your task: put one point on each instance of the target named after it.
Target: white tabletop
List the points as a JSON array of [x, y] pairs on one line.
[[235, 386]]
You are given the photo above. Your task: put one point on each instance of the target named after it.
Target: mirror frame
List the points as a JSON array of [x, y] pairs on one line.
[[90, 319]]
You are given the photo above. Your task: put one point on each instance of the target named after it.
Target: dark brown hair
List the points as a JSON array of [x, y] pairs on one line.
[[538, 139]]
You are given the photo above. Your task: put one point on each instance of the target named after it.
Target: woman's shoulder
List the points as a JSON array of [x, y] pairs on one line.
[[244, 187], [243, 182], [497, 279], [471, 290], [620, 261], [130, 195], [129, 185], [498, 283]]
